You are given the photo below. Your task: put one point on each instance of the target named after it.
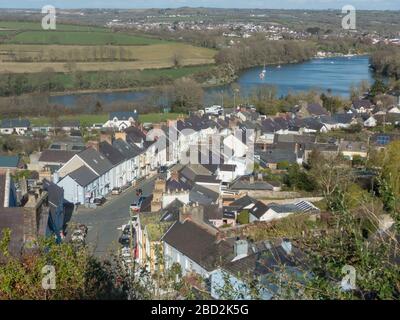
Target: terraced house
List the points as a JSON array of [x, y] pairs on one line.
[[86, 176]]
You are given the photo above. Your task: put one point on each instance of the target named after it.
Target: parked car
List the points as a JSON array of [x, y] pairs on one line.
[[126, 253], [162, 169], [135, 207], [116, 191], [99, 201], [125, 240]]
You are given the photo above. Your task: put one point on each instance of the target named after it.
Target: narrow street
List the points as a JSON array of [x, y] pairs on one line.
[[103, 222]]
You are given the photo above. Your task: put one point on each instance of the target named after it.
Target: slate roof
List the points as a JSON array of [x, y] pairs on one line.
[[259, 209], [55, 193], [227, 167], [203, 195], [171, 212], [316, 109], [15, 123], [277, 155], [58, 156], [294, 138], [191, 171], [83, 176], [111, 153], [9, 161], [198, 244], [244, 184], [328, 147], [134, 135], [128, 150], [244, 202], [96, 161], [179, 184], [310, 123], [206, 179], [353, 146], [124, 115], [13, 219], [343, 118], [358, 104], [55, 196], [213, 212], [268, 258]]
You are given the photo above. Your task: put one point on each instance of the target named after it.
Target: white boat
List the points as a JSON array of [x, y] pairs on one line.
[[263, 73]]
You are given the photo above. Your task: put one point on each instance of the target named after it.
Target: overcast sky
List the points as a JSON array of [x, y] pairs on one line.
[[272, 4]]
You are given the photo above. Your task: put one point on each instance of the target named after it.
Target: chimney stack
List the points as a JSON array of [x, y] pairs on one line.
[[175, 175], [287, 246], [120, 135], [93, 144], [105, 136], [240, 248]]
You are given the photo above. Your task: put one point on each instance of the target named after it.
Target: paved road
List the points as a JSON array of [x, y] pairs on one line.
[[103, 222]]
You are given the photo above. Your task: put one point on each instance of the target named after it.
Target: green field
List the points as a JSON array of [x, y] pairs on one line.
[[32, 33], [28, 25], [100, 57], [80, 38], [6, 32], [89, 119]]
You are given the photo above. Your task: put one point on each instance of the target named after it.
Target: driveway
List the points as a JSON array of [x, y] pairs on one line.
[[103, 222]]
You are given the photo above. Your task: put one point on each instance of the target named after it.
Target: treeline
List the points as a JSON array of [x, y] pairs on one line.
[[40, 105], [387, 62], [48, 80], [211, 39], [254, 52], [346, 45], [74, 54]]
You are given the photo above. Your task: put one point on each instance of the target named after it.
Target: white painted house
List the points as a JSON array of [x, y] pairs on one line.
[[17, 126], [86, 176], [370, 122], [121, 120]]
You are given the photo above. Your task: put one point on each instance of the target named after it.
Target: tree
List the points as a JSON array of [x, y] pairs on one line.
[[299, 179], [332, 104], [379, 87], [98, 108], [177, 60], [78, 275], [329, 257], [391, 166], [11, 144], [188, 95], [330, 172], [243, 217]]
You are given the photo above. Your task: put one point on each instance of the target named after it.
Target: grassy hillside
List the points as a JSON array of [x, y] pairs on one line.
[[26, 48], [28, 25], [80, 38], [90, 58]]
